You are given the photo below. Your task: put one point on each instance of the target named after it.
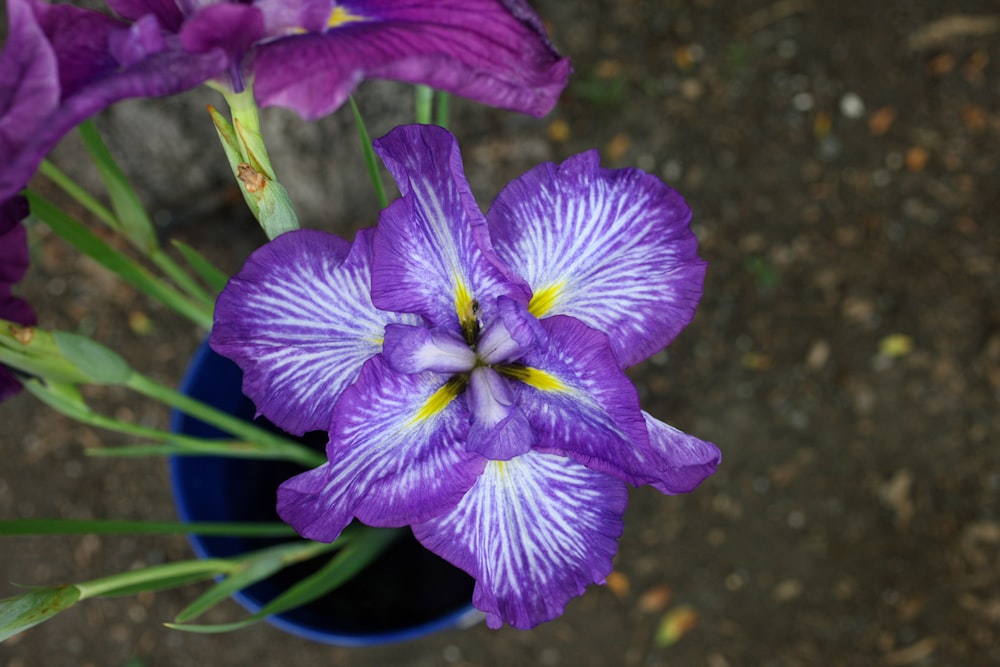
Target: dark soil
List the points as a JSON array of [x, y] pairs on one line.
[[841, 161]]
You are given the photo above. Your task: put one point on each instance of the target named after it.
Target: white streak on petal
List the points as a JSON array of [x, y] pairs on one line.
[[534, 532]]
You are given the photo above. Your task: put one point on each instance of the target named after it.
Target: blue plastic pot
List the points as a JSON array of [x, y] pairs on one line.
[[407, 593]]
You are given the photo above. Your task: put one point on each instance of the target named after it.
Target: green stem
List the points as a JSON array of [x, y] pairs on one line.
[[424, 102], [78, 194], [225, 422], [442, 113]]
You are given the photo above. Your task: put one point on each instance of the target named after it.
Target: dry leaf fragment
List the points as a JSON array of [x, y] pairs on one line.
[[912, 653], [617, 147], [674, 625], [618, 584], [944, 30], [655, 599], [895, 494], [895, 345], [881, 121], [558, 131], [916, 158]]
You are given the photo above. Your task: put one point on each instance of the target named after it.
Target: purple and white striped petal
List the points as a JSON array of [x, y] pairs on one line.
[[683, 461], [612, 248], [300, 323], [534, 531], [510, 335], [396, 456], [500, 430], [413, 349], [432, 250], [581, 403]]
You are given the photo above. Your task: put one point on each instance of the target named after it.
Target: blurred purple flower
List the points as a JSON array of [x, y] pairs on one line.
[[308, 55], [62, 64], [13, 264], [469, 368]]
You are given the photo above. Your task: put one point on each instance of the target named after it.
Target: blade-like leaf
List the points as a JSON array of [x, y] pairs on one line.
[[133, 221], [262, 565], [128, 270], [208, 272], [371, 162], [363, 550], [126, 527]]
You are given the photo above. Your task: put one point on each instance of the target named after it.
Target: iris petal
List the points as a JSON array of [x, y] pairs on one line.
[[396, 455], [683, 460], [432, 252], [495, 52], [86, 78], [534, 531], [412, 349], [612, 248], [500, 431], [299, 321], [580, 403]]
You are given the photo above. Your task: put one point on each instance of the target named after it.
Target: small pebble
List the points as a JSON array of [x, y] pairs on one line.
[[852, 106]]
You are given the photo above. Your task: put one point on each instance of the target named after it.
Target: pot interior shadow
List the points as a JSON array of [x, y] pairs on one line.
[[407, 592]]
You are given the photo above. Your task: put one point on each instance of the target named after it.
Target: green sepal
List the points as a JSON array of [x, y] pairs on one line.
[[29, 609], [98, 363], [267, 199], [60, 396], [34, 352]]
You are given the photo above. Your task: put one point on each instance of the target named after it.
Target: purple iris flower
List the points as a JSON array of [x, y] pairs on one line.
[[468, 368], [13, 264], [308, 55], [63, 64]]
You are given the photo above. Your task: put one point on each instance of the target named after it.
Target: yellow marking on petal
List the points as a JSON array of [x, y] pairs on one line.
[[545, 299], [340, 16], [439, 400], [466, 308], [534, 377]]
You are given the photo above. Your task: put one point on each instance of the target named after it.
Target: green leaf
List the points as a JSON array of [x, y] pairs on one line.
[[262, 565], [133, 221], [81, 196], [215, 278], [237, 449], [371, 162], [84, 240], [156, 577], [363, 550], [100, 364], [24, 611], [160, 583], [130, 527]]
